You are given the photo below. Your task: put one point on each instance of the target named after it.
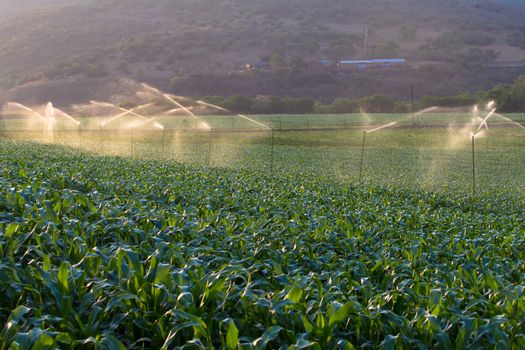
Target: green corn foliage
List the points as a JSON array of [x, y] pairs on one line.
[[105, 252]]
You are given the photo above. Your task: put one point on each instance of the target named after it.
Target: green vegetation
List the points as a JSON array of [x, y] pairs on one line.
[[508, 98], [107, 252]]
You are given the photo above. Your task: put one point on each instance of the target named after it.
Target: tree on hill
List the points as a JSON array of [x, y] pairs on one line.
[[509, 98], [299, 105], [376, 104], [238, 104], [277, 63], [344, 105]]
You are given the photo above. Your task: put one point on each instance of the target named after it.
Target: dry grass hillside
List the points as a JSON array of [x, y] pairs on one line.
[[450, 45]]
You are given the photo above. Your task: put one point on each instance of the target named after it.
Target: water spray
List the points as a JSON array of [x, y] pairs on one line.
[[186, 110], [124, 111], [381, 127], [255, 121], [68, 116], [484, 121], [176, 110], [156, 125], [213, 106], [509, 120], [363, 145], [16, 104], [426, 110]]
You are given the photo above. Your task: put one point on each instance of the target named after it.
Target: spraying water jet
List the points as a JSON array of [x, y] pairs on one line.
[[363, 145], [509, 120], [19, 105], [255, 121]]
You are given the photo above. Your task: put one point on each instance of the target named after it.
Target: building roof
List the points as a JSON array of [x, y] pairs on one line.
[[389, 60], [379, 60], [355, 61]]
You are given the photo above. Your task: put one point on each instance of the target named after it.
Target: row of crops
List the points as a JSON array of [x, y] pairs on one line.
[[429, 158], [110, 253]]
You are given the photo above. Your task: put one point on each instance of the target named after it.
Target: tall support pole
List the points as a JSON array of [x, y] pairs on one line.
[[164, 142], [100, 138], [412, 104], [79, 136], [473, 167], [209, 147], [362, 157], [272, 152], [132, 142]]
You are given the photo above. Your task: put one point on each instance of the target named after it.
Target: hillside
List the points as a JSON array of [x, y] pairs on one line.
[[182, 45]]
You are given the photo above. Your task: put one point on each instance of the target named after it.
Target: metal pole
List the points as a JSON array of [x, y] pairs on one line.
[[79, 135], [100, 138], [362, 157], [473, 168], [272, 152], [132, 142], [280, 124], [163, 141], [209, 147], [412, 104]]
